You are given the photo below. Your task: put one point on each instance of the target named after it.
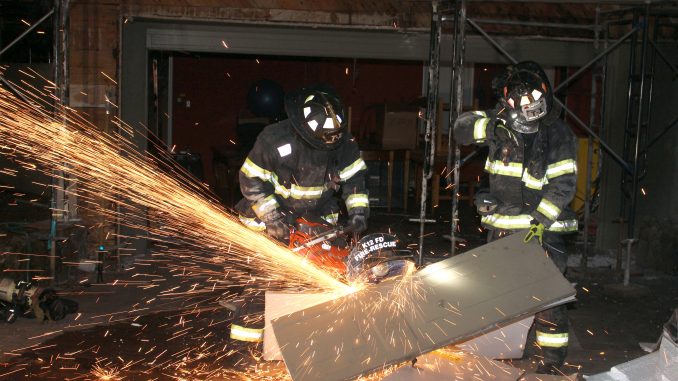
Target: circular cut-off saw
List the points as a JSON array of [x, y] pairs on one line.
[[371, 259]]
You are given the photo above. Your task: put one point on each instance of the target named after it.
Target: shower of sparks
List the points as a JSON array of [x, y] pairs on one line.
[[205, 252], [106, 374], [111, 169], [194, 239]]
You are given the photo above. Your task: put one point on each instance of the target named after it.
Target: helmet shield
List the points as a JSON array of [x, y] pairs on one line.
[[318, 116], [525, 93], [377, 257]]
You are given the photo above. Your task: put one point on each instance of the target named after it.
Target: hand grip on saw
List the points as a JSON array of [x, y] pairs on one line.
[[320, 238]]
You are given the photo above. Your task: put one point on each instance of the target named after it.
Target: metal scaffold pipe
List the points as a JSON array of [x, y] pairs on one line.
[[431, 117]]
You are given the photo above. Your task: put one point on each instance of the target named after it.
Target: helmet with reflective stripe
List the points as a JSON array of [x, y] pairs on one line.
[[525, 93], [317, 115]]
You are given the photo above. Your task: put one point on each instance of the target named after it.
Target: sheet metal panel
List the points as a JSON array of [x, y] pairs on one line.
[[444, 303]]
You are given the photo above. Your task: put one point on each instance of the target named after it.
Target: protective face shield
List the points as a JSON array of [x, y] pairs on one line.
[[525, 94], [377, 257], [318, 116]]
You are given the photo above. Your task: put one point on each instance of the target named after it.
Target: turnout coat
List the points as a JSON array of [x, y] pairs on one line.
[[282, 173], [540, 188]]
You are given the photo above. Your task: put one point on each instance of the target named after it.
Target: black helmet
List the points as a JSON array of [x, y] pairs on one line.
[[525, 93], [377, 257], [317, 115]]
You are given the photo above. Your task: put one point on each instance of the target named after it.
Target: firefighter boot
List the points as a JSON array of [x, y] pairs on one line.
[[551, 331]]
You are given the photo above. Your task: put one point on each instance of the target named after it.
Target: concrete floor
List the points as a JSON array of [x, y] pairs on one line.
[[120, 332]]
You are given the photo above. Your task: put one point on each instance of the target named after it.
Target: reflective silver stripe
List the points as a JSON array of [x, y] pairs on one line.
[[480, 128], [522, 221], [560, 168], [564, 226], [246, 334], [357, 200], [266, 205], [533, 182], [553, 340], [252, 223], [300, 192], [548, 209], [352, 169], [252, 170], [501, 221], [332, 218], [297, 191], [279, 189], [497, 167], [481, 113]]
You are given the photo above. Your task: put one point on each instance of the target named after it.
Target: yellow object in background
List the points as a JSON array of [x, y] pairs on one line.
[[582, 159]]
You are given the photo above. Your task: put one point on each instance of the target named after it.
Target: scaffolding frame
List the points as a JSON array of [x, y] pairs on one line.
[[63, 199], [630, 167]]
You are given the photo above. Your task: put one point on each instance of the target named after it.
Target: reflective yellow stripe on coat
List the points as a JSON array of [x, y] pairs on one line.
[[522, 221], [352, 169], [563, 167], [252, 223], [498, 167]]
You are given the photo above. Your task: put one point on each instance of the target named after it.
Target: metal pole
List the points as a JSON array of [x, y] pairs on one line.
[[431, 111], [639, 125], [650, 91], [60, 62], [589, 152], [583, 125], [627, 117], [458, 89], [27, 31], [594, 60], [452, 117], [654, 140], [535, 24], [492, 41], [664, 58]]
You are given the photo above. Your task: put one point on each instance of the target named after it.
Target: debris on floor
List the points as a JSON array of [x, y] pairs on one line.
[[660, 365]]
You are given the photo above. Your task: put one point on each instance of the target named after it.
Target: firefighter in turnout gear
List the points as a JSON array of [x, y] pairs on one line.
[[299, 167], [532, 173]]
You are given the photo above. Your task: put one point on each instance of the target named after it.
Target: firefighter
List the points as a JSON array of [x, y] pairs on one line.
[[299, 167], [532, 172]]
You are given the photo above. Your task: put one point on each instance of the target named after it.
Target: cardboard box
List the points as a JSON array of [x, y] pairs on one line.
[[397, 129]]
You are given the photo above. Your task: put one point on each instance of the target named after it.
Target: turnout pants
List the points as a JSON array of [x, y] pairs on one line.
[[248, 318], [548, 337]]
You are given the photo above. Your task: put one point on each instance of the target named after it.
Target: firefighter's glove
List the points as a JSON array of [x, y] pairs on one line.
[[536, 230], [357, 223], [485, 203], [278, 228]]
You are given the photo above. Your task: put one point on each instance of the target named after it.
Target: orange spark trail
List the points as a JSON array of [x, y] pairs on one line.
[[114, 168]]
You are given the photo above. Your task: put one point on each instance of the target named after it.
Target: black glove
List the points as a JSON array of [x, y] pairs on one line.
[[278, 228], [485, 203], [357, 223]]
